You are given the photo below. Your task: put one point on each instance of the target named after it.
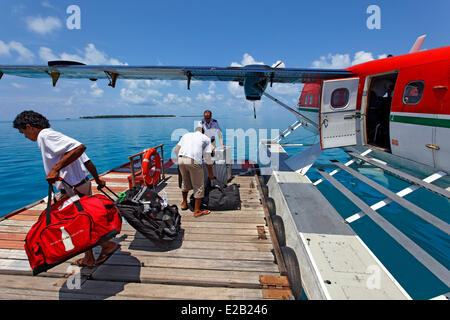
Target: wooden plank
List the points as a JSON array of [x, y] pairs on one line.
[[13, 254], [12, 236], [22, 267], [178, 276], [216, 254], [189, 263], [18, 294], [213, 238], [10, 244], [234, 214], [29, 287], [143, 244], [30, 282], [131, 232], [228, 219], [24, 218], [229, 231], [199, 223], [16, 223], [31, 212], [13, 229], [161, 291]]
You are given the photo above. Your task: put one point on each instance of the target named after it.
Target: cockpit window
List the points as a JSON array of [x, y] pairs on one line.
[[311, 98], [413, 92], [339, 98]]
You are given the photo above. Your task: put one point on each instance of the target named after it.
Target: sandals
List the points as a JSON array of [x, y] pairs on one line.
[[201, 213], [104, 256], [80, 264]]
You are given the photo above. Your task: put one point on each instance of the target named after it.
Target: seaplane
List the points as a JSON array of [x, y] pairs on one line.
[[399, 107], [396, 109]]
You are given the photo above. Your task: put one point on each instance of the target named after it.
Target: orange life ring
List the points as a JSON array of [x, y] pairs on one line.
[[151, 166]]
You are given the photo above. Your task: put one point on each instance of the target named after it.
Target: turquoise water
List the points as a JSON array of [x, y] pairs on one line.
[[110, 141]]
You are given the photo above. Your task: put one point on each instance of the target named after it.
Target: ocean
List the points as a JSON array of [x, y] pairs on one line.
[[110, 141]]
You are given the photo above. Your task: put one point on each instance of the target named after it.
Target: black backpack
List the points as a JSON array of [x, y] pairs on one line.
[[220, 198], [142, 209]]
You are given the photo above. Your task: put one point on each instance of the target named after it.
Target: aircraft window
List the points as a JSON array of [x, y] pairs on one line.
[[311, 98], [339, 98], [413, 92]]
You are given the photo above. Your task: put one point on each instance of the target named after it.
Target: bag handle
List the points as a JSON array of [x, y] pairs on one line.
[[48, 215], [71, 192], [99, 188]]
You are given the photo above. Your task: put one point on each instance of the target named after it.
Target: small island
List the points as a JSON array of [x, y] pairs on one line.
[[129, 116]]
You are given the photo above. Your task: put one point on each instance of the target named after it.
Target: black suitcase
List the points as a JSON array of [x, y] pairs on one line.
[[220, 198]]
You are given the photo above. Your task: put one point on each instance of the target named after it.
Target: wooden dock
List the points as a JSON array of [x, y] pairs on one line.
[[224, 255]]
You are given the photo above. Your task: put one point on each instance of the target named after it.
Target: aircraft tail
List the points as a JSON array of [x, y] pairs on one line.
[[418, 44]]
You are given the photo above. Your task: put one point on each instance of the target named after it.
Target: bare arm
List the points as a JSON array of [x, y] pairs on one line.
[[219, 133], [93, 171], [67, 159], [208, 161], [177, 149]]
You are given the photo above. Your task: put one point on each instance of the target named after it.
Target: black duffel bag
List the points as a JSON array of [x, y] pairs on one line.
[[220, 198], [143, 211]]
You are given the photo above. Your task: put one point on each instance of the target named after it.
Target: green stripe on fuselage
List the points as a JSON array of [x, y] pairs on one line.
[[431, 122], [308, 109]]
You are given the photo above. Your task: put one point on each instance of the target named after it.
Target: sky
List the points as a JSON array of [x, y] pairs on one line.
[[300, 34]]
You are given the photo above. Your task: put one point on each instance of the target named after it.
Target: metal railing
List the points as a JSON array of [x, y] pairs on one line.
[[140, 155]]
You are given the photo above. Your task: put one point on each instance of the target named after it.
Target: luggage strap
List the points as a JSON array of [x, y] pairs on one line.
[[100, 188], [70, 192]]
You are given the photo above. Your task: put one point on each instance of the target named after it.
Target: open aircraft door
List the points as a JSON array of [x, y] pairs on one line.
[[338, 113]]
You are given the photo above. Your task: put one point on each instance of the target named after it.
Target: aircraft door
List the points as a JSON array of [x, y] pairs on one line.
[[338, 113]]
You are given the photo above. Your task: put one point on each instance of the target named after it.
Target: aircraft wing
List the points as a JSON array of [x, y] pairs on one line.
[[247, 76]]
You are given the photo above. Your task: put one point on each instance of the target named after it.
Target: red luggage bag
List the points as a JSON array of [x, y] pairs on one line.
[[69, 227]]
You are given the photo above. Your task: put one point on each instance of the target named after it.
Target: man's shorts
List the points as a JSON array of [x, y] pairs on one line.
[[193, 178], [84, 189]]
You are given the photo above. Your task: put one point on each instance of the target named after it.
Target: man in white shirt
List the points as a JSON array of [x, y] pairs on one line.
[[63, 157], [190, 150]]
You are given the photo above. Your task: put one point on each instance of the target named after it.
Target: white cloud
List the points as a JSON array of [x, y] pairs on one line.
[[361, 57], [89, 55], [341, 61], [212, 87], [18, 86], [25, 55], [47, 4], [46, 54], [337, 61], [236, 90], [172, 98], [43, 26], [96, 92], [4, 49], [205, 98], [142, 91], [285, 88], [246, 60]]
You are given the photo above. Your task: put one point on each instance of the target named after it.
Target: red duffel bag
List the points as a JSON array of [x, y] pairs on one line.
[[69, 227]]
